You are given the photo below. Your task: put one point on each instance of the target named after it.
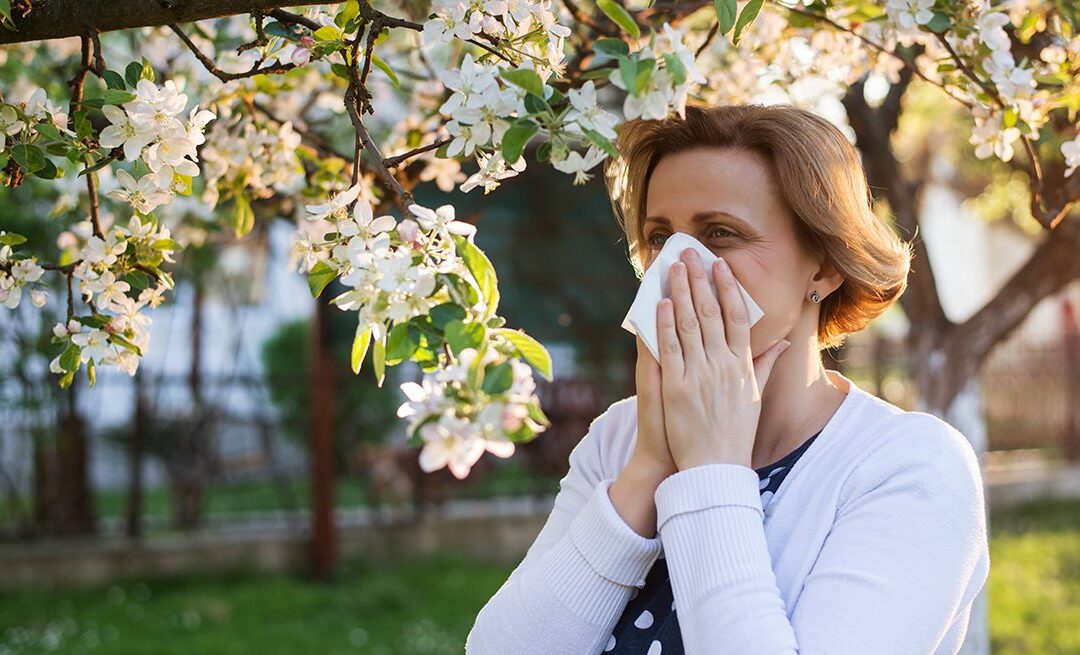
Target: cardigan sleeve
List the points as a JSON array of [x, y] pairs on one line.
[[576, 578], [903, 561]]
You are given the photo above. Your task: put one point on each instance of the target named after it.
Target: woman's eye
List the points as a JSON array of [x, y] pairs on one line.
[[714, 232]]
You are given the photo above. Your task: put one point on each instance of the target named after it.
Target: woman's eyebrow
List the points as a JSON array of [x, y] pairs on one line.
[[702, 216]]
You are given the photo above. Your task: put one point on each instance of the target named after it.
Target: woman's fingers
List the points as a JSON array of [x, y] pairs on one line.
[[671, 352], [688, 327], [736, 314], [707, 307]]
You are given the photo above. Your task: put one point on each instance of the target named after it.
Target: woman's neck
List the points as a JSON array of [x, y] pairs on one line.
[[799, 399]]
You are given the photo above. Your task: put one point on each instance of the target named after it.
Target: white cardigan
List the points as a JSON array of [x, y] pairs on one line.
[[876, 542]]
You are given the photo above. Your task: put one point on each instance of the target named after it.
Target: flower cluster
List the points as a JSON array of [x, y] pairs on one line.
[[422, 289], [149, 129], [119, 275], [456, 440], [18, 272], [665, 86], [532, 27], [256, 159]]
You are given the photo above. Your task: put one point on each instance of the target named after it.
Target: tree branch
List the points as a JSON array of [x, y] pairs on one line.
[[58, 19]]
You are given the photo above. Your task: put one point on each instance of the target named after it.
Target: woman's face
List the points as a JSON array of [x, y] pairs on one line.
[[729, 201]]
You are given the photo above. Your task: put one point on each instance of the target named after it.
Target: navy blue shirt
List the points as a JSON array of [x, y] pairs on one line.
[[649, 625]]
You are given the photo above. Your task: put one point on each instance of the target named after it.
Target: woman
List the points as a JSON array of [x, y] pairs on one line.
[[671, 532]]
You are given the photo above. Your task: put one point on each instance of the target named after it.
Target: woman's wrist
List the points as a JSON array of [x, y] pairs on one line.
[[632, 495]]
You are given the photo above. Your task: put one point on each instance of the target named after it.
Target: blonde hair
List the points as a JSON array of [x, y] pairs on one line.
[[820, 180]]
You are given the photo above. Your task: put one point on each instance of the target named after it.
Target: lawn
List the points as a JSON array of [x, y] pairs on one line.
[[428, 606]]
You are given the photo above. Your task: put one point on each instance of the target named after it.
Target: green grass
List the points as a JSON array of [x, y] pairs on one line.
[[427, 606], [1035, 579]]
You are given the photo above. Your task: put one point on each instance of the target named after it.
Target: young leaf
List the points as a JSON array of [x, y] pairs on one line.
[[482, 271], [526, 79], [726, 11], [498, 378], [320, 275], [464, 335], [360, 346], [378, 359], [386, 69], [749, 12], [531, 349], [620, 16], [516, 138]]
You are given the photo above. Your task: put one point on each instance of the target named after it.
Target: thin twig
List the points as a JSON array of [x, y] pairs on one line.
[[209, 64]]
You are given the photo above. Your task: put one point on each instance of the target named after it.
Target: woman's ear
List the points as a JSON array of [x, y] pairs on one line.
[[827, 279]]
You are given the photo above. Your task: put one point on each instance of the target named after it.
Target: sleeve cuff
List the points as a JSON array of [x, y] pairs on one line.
[[610, 546], [702, 487]]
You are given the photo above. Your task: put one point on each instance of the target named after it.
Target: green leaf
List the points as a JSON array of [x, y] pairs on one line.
[[360, 346], [442, 314], [69, 359], [277, 28], [166, 244], [602, 141], [29, 156], [675, 67], [620, 16], [939, 23], [749, 12], [375, 59], [515, 139], [527, 79], [347, 13], [498, 378], [613, 48], [113, 79], [12, 239], [328, 33], [483, 273], [137, 279], [49, 131], [378, 359], [133, 73], [531, 349], [726, 10], [116, 338], [320, 275], [117, 96], [400, 344], [48, 171], [461, 335], [243, 216]]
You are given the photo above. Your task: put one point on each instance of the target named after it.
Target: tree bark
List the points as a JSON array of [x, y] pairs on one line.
[[55, 19]]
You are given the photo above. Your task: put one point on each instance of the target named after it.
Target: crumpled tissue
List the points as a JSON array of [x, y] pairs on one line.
[[641, 318]]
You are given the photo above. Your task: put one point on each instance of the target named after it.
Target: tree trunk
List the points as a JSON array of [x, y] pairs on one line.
[[964, 412], [63, 504], [323, 545]]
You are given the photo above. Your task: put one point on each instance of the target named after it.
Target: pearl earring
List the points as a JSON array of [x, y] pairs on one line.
[[814, 296]]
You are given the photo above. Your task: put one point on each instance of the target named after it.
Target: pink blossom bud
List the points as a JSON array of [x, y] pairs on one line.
[[409, 230], [301, 56], [306, 41], [38, 297]]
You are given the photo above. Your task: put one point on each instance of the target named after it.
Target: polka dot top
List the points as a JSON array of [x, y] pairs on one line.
[[649, 625]]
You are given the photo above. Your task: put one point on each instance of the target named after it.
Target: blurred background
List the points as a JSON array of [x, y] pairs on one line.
[[171, 512]]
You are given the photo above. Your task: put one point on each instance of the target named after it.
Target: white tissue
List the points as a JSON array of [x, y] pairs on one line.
[[641, 319]]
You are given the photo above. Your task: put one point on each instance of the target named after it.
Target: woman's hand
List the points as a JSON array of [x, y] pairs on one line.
[[711, 385], [651, 449]]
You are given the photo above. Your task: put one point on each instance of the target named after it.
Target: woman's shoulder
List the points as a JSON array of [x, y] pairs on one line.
[[908, 447]]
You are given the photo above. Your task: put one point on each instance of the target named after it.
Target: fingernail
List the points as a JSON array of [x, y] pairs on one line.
[[784, 345]]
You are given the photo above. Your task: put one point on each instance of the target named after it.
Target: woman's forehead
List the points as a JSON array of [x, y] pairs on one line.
[[687, 185]]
